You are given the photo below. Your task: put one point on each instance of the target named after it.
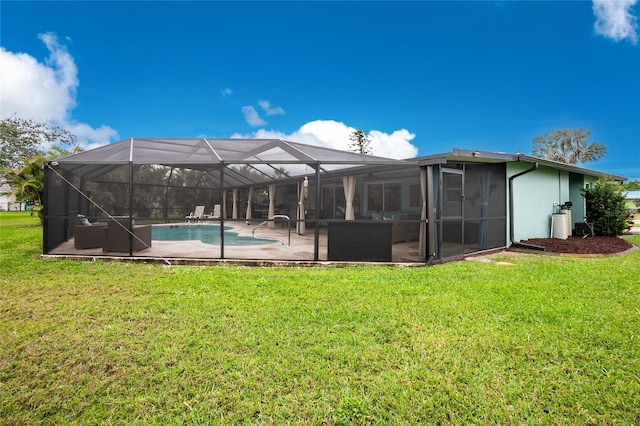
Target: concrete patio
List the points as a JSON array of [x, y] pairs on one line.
[[300, 250]]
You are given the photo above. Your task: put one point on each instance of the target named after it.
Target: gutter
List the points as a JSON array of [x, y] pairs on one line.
[[511, 213]]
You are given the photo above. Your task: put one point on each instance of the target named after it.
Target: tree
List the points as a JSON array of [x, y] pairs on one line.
[[26, 179], [360, 143], [569, 146], [606, 208], [21, 138], [632, 185]]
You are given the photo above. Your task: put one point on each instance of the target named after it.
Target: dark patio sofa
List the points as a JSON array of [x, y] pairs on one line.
[[406, 224], [90, 236]]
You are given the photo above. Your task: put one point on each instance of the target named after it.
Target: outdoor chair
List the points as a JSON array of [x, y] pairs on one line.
[[118, 236], [195, 215], [87, 235], [215, 214]]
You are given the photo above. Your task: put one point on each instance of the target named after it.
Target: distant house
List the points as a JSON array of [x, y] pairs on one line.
[[633, 201], [358, 207], [7, 201]]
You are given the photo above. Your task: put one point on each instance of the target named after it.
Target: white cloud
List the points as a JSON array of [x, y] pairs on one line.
[[615, 19], [334, 134], [46, 92], [252, 117], [269, 110], [227, 91]]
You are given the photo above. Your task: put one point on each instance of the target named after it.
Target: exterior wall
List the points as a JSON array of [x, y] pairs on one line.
[[577, 184], [8, 202], [4, 203], [534, 195]]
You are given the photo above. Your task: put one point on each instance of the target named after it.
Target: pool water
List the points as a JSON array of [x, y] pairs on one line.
[[208, 234]]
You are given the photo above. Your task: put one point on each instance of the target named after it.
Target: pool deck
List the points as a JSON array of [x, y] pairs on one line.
[[301, 249]]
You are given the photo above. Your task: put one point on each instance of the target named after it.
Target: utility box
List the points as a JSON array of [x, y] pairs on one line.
[[584, 229]]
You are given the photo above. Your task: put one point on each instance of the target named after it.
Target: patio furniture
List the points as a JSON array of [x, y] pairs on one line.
[[118, 236], [367, 240], [215, 214], [90, 236], [195, 215]]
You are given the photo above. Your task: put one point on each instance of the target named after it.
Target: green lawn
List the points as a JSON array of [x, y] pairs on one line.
[[549, 340]]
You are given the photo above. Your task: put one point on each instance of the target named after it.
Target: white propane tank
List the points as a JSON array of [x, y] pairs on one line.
[[559, 228]]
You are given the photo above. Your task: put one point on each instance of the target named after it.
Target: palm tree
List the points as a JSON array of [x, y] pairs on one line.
[[569, 146], [27, 182], [26, 179]]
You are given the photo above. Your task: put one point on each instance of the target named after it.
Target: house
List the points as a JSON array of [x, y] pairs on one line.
[[356, 207], [633, 201], [8, 201], [484, 200]]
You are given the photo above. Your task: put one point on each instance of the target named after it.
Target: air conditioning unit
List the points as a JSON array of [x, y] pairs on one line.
[[584, 229]]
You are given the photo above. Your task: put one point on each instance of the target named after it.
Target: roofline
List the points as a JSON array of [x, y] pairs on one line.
[[467, 155], [289, 146]]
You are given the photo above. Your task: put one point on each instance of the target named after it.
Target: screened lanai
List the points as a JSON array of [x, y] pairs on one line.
[[259, 199]]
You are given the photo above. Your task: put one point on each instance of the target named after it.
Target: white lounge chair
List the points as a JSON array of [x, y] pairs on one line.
[[216, 212], [195, 215]]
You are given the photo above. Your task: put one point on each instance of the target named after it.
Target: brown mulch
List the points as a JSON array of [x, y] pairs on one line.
[[579, 245]]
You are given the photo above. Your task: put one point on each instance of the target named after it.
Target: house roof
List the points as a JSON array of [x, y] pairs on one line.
[[467, 155]]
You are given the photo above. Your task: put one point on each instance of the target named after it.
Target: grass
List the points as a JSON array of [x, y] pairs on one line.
[[549, 340]]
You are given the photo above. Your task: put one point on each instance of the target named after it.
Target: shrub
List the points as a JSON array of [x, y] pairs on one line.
[[606, 208]]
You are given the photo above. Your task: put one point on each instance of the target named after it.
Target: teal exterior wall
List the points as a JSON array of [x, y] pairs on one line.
[[577, 183], [534, 195]]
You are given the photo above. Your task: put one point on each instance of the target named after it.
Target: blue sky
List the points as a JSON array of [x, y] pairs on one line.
[[419, 77]]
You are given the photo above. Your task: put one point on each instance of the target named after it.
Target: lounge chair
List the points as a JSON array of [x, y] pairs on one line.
[[215, 214], [195, 215]]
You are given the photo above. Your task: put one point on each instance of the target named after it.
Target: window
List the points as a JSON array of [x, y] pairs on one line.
[[414, 196], [374, 196], [384, 196]]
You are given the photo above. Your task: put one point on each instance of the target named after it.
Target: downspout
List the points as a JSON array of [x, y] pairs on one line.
[[511, 209]]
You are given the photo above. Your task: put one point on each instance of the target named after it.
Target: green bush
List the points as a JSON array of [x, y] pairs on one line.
[[606, 208]]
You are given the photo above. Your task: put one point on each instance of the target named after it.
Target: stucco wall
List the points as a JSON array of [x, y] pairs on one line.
[[534, 195]]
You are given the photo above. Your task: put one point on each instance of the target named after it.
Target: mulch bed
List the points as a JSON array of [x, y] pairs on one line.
[[579, 245]]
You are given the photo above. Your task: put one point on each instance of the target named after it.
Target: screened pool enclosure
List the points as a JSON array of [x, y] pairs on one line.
[[279, 197]]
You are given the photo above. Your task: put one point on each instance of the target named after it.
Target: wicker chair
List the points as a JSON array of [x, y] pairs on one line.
[[90, 236], [118, 236]]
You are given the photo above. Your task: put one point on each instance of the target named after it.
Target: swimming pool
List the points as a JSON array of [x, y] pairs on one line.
[[208, 234]]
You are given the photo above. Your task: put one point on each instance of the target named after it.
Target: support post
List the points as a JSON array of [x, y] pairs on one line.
[[130, 233], [316, 239], [221, 200]]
